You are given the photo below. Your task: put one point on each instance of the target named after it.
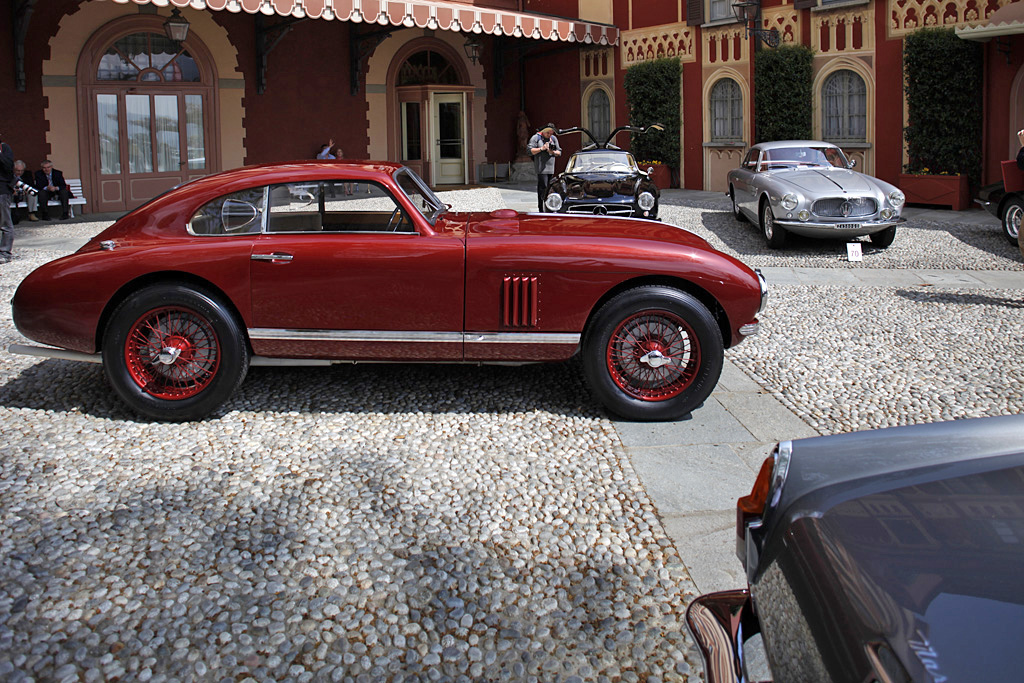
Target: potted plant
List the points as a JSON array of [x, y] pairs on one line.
[[660, 173], [943, 76]]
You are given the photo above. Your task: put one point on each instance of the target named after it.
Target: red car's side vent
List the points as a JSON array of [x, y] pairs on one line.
[[519, 301]]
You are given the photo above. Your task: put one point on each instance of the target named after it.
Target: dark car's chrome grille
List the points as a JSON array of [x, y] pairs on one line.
[[844, 207], [601, 209]]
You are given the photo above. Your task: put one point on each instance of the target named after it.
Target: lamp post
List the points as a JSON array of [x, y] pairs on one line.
[[472, 48], [176, 26], [749, 12]]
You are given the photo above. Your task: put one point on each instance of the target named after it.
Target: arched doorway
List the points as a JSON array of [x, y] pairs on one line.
[[148, 104], [434, 101]]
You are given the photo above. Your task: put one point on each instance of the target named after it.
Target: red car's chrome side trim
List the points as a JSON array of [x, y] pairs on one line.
[[45, 352], [716, 621], [403, 337]]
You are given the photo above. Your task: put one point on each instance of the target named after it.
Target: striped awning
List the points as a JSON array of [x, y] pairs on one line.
[[442, 16], [1008, 20]]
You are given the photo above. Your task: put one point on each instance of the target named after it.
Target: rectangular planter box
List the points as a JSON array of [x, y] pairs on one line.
[[661, 175], [947, 190]]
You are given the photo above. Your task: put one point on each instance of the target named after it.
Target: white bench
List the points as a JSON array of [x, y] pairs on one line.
[[75, 188]]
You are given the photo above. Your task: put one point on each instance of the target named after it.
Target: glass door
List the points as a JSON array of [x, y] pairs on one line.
[[449, 139], [148, 143]]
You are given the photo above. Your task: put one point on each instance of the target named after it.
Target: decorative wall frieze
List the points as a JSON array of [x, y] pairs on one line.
[[657, 42], [726, 44], [842, 31], [906, 16], [785, 20]]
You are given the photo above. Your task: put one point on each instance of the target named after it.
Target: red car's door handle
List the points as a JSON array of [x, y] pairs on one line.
[[277, 256]]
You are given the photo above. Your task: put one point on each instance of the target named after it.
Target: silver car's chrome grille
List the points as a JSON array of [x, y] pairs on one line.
[[602, 209], [844, 207]]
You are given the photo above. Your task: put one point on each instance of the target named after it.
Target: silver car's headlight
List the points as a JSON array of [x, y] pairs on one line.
[[887, 213], [896, 198], [646, 201], [554, 201], [789, 202]]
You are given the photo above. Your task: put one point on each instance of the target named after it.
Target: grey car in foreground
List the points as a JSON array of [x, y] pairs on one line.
[[891, 556], [809, 187]]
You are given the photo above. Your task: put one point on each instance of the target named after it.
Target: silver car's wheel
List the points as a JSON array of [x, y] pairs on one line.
[[774, 235], [737, 214], [1011, 220]]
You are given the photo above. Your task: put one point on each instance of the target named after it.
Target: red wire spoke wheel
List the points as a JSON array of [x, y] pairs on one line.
[[653, 355], [172, 353], [653, 352]]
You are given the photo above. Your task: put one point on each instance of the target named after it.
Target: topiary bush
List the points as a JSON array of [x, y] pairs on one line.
[[652, 95], [943, 76], [784, 93]]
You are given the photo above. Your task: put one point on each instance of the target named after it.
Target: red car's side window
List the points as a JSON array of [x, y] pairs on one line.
[[238, 213], [335, 206]]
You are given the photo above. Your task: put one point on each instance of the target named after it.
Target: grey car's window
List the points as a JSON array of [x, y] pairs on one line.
[[238, 213], [335, 206], [751, 159], [793, 157]]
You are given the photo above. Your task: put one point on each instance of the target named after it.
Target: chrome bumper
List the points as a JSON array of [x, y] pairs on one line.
[[721, 623], [852, 226]]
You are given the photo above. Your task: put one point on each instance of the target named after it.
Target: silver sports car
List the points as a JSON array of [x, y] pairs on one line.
[[808, 187]]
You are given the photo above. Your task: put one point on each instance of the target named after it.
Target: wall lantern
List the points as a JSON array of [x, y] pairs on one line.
[[749, 12], [176, 26], [472, 48]]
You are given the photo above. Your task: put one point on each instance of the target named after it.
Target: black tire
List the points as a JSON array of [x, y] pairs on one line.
[[1020, 243], [1012, 219], [736, 213], [883, 238], [174, 352], [620, 341], [774, 235]]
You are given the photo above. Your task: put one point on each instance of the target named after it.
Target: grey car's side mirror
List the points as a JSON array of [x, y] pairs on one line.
[[852, 164]]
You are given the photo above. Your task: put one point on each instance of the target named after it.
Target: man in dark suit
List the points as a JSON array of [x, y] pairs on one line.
[[50, 183]]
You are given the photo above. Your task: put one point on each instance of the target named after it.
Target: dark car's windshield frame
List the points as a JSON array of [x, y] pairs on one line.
[[419, 194]]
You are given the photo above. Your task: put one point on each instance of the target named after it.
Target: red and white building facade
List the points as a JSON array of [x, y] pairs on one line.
[[97, 86]]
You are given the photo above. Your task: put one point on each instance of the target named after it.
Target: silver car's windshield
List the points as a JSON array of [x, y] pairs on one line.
[[419, 194], [601, 161], [803, 156]]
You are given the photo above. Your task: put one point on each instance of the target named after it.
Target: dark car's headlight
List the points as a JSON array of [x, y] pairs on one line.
[[554, 201], [646, 201]]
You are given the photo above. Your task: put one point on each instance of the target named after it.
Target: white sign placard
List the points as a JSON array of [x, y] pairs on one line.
[[853, 252]]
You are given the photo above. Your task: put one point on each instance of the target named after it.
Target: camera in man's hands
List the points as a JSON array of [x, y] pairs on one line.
[[21, 187]]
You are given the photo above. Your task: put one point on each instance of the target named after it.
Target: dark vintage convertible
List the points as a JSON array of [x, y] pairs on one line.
[[888, 556], [282, 264], [603, 180]]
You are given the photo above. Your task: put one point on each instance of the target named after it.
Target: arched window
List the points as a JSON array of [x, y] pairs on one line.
[[726, 111], [599, 114], [844, 107], [427, 68], [147, 57]]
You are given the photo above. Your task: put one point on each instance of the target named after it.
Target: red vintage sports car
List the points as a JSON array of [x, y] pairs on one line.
[[310, 263]]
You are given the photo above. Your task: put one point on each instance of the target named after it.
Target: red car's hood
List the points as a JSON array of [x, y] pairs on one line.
[[507, 222]]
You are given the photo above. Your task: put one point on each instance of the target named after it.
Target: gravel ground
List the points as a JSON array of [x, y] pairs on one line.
[[426, 523]]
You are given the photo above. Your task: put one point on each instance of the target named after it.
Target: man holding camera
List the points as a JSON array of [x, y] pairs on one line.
[[24, 191], [6, 190], [544, 148]]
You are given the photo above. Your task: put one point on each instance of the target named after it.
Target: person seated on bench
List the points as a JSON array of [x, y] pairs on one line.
[[22, 194], [50, 183]]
